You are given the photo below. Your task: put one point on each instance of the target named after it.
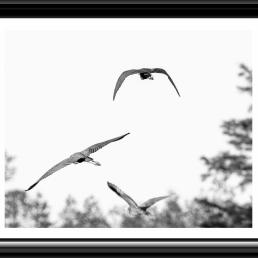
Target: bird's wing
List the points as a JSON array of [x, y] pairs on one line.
[[100, 145], [121, 79], [52, 170], [160, 70], [152, 201], [123, 195]]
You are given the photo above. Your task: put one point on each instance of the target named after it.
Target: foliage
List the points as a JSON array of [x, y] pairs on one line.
[[20, 211], [90, 216], [9, 169], [230, 172], [39, 212], [225, 214]]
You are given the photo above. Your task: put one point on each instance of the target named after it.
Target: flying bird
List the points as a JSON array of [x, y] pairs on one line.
[[145, 73], [135, 209], [78, 157]]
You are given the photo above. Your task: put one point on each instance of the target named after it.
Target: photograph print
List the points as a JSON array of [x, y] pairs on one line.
[[128, 128]]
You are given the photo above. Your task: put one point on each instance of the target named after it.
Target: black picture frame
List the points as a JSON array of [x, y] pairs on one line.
[[129, 9]]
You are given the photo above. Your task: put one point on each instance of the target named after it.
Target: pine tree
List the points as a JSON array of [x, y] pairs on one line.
[[69, 213], [90, 216], [21, 211], [9, 168], [39, 212], [231, 172]]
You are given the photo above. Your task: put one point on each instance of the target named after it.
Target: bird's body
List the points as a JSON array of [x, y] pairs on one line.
[[138, 212], [76, 158], [145, 73], [135, 209]]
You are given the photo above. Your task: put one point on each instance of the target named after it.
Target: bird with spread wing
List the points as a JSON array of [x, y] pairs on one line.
[[145, 73], [135, 209], [78, 157]]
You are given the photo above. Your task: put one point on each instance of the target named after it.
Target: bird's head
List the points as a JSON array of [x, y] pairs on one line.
[[147, 213]]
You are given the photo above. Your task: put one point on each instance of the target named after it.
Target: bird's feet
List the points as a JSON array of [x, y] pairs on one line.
[[96, 163]]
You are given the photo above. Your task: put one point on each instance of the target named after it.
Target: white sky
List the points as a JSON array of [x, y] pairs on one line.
[[59, 87]]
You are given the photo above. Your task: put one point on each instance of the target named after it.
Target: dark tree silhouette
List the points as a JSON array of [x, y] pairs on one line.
[[20, 211], [231, 172], [69, 213], [16, 208], [90, 216], [9, 168], [39, 212]]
